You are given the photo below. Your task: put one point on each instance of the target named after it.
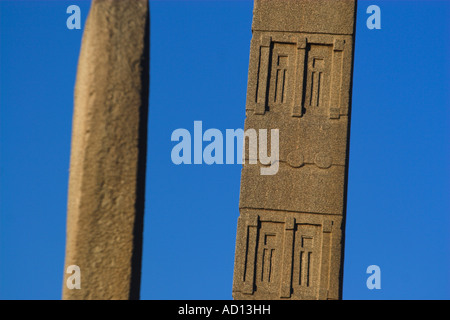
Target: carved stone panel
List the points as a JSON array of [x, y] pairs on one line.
[[289, 239], [286, 255]]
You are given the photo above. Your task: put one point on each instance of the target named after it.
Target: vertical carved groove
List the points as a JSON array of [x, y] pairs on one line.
[[300, 268], [270, 263], [308, 268], [262, 264], [276, 86], [246, 255], [318, 89]]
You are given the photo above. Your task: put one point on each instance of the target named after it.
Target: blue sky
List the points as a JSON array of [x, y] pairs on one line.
[[398, 191]]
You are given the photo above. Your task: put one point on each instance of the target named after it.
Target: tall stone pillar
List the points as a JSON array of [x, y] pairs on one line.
[[290, 236], [107, 165]]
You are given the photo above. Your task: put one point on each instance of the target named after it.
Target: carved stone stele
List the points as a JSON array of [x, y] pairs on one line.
[[290, 236]]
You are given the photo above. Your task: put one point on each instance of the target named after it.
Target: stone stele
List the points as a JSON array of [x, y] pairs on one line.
[[290, 234], [107, 164]]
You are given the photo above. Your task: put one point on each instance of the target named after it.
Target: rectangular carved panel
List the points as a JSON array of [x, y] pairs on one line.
[[299, 82], [288, 256]]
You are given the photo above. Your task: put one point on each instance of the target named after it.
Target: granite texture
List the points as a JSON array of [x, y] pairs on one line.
[[290, 234], [107, 164]]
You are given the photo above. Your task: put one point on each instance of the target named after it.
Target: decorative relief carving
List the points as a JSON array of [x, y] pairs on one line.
[[289, 242], [281, 76], [306, 259], [323, 160], [295, 159], [292, 257], [318, 79], [304, 73], [269, 256], [289, 232]]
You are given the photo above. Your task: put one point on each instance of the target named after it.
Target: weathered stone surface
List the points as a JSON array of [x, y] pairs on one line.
[[107, 165], [291, 226]]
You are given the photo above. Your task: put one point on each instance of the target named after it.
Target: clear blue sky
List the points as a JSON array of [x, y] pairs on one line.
[[398, 214]]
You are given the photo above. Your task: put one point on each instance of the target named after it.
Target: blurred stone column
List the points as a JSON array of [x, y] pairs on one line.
[[108, 156], [290, 237]]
